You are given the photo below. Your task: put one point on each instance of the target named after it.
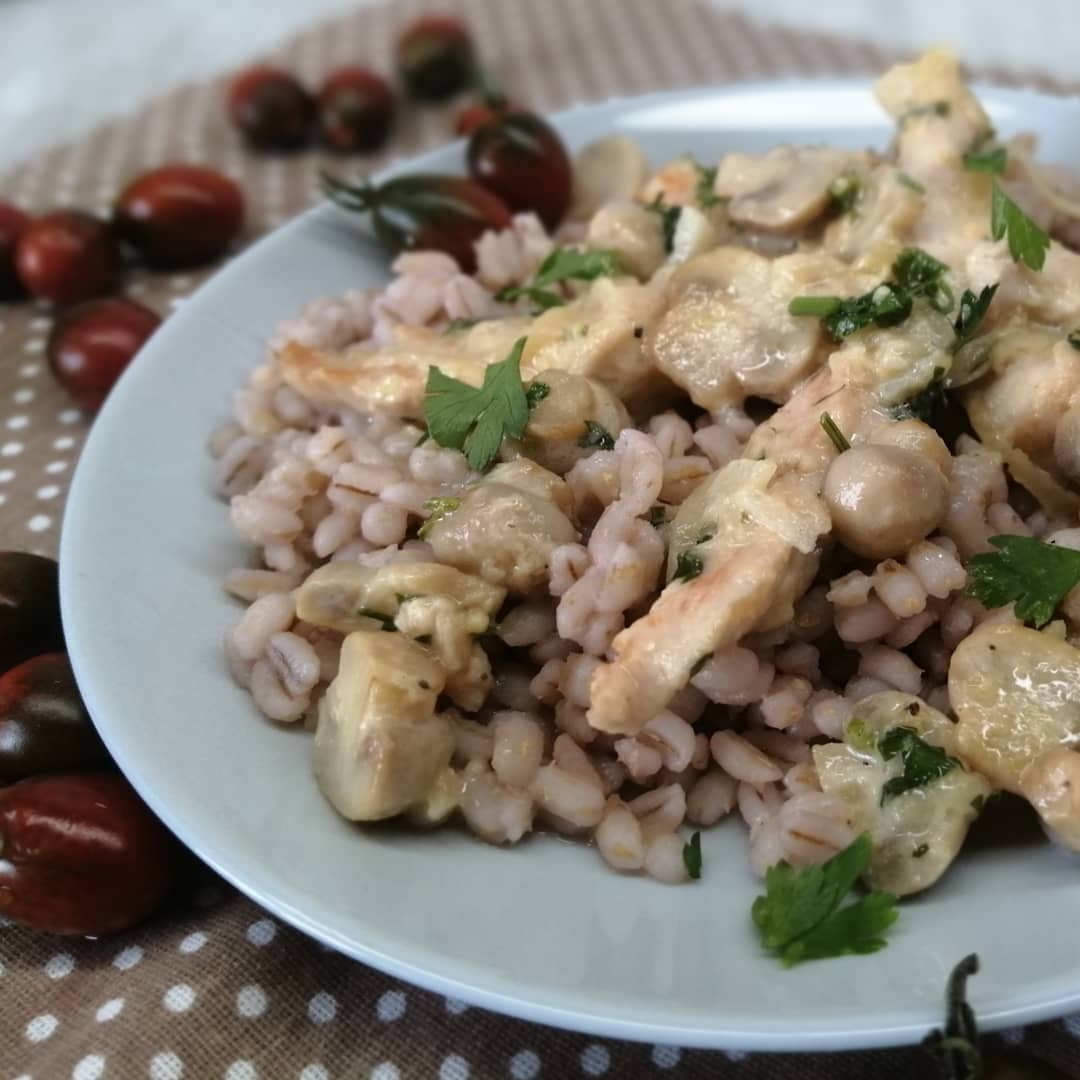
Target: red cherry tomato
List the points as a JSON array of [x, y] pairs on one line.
[[93, 343], [480, 113], [356, 109], [68, 256], [435, 57], [180, 215], [523, 160], [270, 108], [12, 223]]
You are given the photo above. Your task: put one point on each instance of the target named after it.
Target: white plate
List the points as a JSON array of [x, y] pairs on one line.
[[543, 931]]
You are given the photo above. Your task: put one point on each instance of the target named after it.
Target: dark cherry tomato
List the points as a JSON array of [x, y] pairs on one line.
[[29, 607], [68, 256], [12, 223], [44, 726], [522, 159], [435, 57], [479, 113], [356, 109], [82, 854], [426, 211], [179, 215], [270, 108], [91, 344]]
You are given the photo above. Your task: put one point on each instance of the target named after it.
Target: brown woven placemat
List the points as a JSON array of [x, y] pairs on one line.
[[212, 987]]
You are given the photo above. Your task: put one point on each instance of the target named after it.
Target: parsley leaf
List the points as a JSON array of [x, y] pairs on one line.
[[704, 192], [476, 420], [920, 274], [972, 310], [799, 916], [596, 437], [689, 564], [669, 220], [1026, 572], [836, 436], [657, 515], [536, 393], [691, 856], [922, 762], [986, 161], [1027, 242], [563, 264], [844, 192], [927, 403], [386, 620], [439, 507]]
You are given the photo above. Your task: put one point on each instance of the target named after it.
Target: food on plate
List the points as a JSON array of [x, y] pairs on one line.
[[435, 57], [12, 223], [179, 215], [29, 607], [749, 490], [82, 854], [355, 110], [67, 256], [270, 108]]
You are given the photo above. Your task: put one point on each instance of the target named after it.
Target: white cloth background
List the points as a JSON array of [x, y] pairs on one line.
[[68, 64]]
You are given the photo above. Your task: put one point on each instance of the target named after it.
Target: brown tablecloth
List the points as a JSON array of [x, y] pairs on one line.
[[212, 987]]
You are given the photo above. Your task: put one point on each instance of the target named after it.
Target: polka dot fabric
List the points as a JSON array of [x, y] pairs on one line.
[[212, 987]]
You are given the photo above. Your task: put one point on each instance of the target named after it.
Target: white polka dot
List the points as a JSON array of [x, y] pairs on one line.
[[525, 1065], [241, 1070], [6, 476], [39, 523], [41, 1027], [251, 1001], [454, 1006], [666, 1057], [65, 442], [110, 1010], [11, 449], [40, 324], [17, 423], [90, 1068], [454, 1067], [314, 1072], [595, 1059], [49, 491], [166, 1066], [56, 467], [322, 1008], [34, 345], [179, 998], [193, 942], [386, 1070], [60, 965], [69, 416], [128, 958], [262, 932], [391, 1006], [23, 396], [28, 371]]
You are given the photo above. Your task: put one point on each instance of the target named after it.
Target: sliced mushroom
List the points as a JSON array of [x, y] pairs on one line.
[[783, 190], [886, 208], [1051, 784], [531, 477], [338, 594], [380, 747], [917, 833], [1016, 692], [557, 425], [634, 232], [607, 170]]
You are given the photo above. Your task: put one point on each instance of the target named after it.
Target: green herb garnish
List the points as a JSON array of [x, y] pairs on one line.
[[386, 620], [657, 515], [704, 192], [927, 403], [596, 437], [817, 306], [437, 508], [459, 324], [799, 916], [535, 393], [1074, 339], [669, 220], [473, 420], [1027, 242], [1033, 576], [836, 436], [956, 1050], [922, 762], [910, 182], [563, 264], [972, 310], [689, 564], [844, 192], [934, 108], [986, 161], [691, 856]]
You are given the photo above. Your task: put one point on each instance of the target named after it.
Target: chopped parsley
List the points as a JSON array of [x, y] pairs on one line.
[[836, 436], [475, 420], [922, 762], [1027, 242], [689, 564], [799, 917], [657, 515], [669, 220], [704, 192], [927, 403], [987, 161], [386, 620], [972, 310], [934, 108], [596, 437], [920, 851], [535, 393], [438, 508], [910, 182], [920, 274], [860, 736], [1074, 339], [1033, 576], [956, 1049], [691, 857], [563, 264], [844, 192], [459, 324]]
